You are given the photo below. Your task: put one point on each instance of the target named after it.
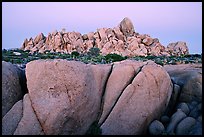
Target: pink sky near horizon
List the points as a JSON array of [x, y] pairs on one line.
[[168, 21]]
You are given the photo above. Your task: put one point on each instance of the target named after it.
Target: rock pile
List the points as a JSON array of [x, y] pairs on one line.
[[186, 120], [122, 40], [183, 116]]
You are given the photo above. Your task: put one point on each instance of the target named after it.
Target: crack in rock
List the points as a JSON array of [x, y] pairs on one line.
[[129, 82]]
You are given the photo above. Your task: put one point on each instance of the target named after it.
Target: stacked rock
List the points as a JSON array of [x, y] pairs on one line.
[[122, 40], [186, 120]]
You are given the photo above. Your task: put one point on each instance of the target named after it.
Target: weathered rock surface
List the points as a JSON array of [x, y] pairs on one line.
[[11, 86], [29, 124], [126, 27], [178, 48], [184, 108], [174, 120], [122, 74], [189, 78], [143, 100], [68, 97], [156, 128], [121, 40], [65, 95], [12, 118], [184, 127]]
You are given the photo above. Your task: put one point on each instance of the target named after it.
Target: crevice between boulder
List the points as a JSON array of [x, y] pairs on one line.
[[103, 93], [130, 82], [36, 115]]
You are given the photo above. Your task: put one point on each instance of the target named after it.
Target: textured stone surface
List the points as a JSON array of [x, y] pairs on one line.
[[121, 76], [174, 120], [156, 128], [189, 78], [11, 86], [65, 94], [185, 126], [12, 118], [143, 100], [67, 42], [29, 124]]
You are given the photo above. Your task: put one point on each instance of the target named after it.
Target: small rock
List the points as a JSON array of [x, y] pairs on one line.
[[185, 125], [174, 120], [184, 107], [195, 112], [165, 119], [192, 105], [156, 128]]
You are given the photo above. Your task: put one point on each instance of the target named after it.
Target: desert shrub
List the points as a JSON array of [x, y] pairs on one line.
[[150, 57], [114, 57], [75, 54], [94, 51]]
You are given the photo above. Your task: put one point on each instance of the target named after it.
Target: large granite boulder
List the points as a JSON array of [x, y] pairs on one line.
[[143, 98], [11, 86], [65, 95], [189, 78]]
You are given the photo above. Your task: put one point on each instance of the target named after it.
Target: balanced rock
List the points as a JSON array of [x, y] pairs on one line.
[[126, 27]]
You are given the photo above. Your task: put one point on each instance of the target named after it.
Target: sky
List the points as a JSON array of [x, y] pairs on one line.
[[167, 21]]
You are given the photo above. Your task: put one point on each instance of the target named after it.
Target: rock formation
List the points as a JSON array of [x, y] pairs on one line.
[[12, 85], [122, 40], [189, 78], [68, 97]]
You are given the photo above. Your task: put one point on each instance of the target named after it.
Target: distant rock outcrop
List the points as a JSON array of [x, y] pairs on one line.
[[122, 40]]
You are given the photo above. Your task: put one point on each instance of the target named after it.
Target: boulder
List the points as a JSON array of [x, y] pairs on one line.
[[156, 128], [147, 41], [196, 111], [12, 118], [174, 120], [185, 126], [65, 95], [196, 129], [165, 119], [178, 48], [122, 79], [119, 35], [24, 44], [11, 86], [184, 107], [29, 124], [144, 99], [39, 38], [126, 27], [102, 34], [189, 78]]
